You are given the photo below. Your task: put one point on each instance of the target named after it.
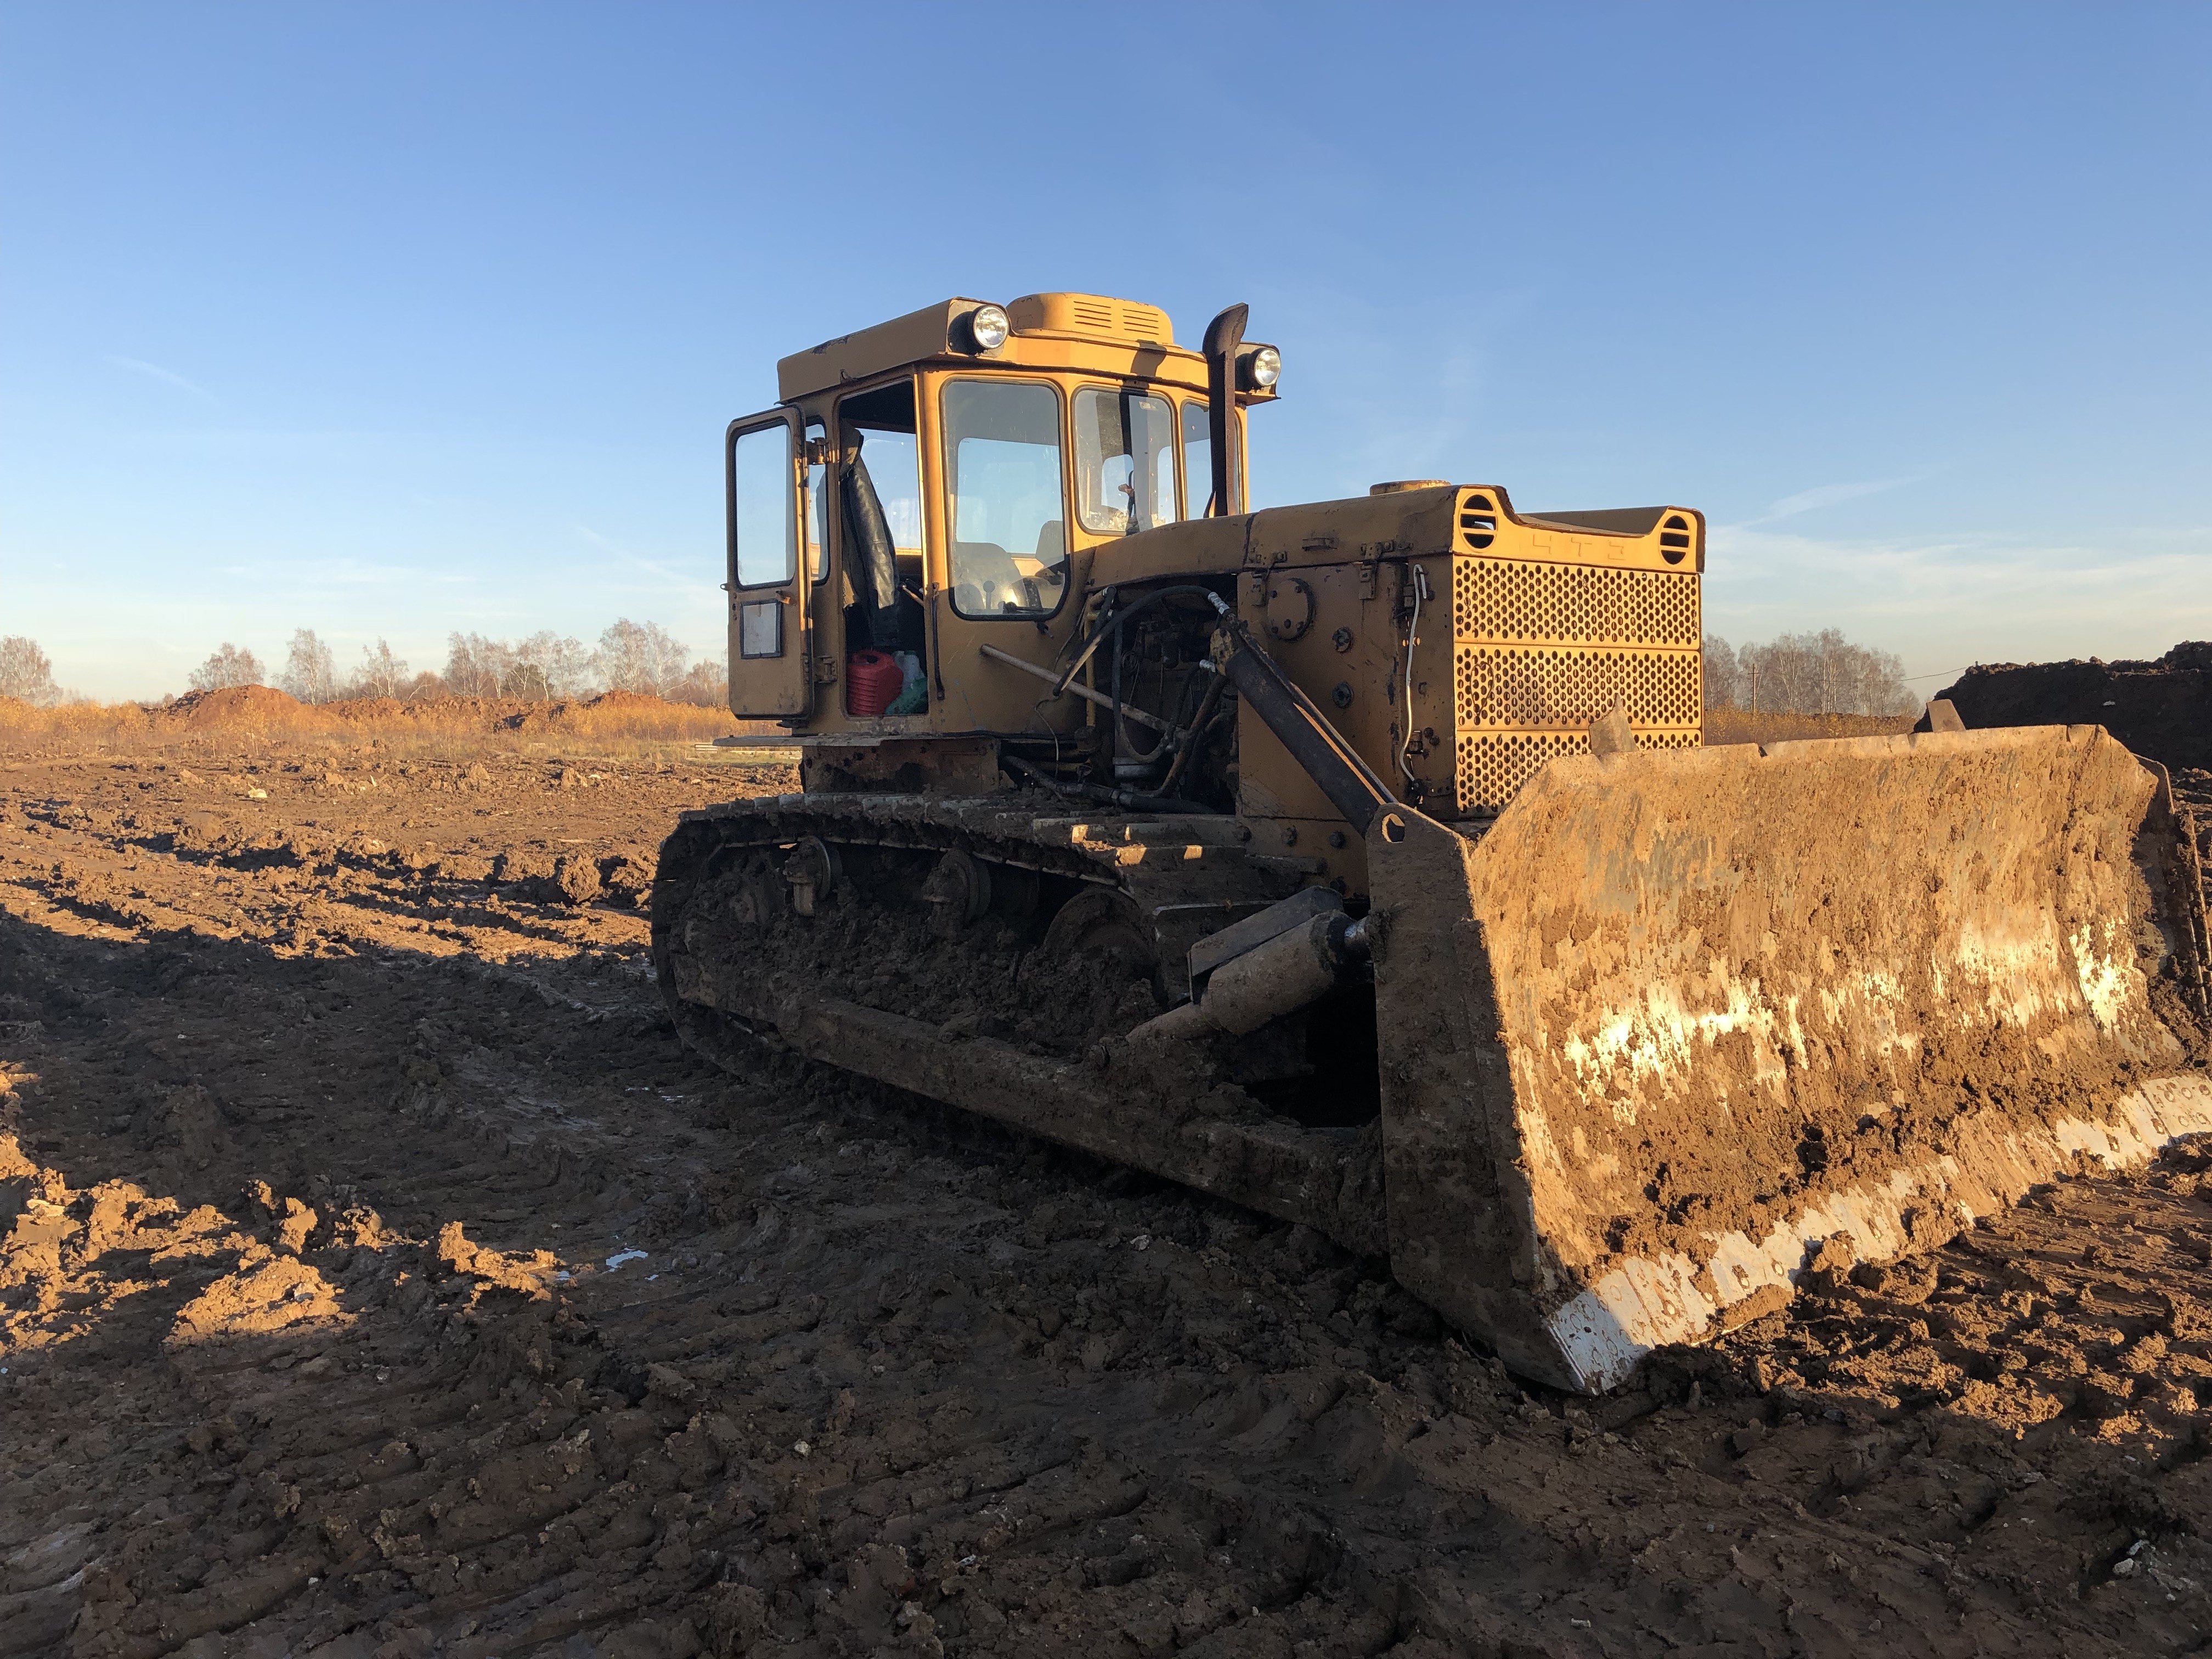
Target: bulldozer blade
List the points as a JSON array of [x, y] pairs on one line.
[[1678, 1018]]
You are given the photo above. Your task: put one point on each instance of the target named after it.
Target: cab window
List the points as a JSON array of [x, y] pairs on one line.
[[1197, 460], [763, 536], [817, 539], [1124, 460], [1002, 471]]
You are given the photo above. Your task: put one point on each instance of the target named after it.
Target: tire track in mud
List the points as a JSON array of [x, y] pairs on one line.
[[312, 1346]]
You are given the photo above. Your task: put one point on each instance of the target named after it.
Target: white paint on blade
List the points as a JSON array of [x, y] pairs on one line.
[[1647, 1301]]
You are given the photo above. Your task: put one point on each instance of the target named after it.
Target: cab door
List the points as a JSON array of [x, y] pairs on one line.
[[764, 486]]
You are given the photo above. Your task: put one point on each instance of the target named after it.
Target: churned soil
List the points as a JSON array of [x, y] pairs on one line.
[[378, 1277]]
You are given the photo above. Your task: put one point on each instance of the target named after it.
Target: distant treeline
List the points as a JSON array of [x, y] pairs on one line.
[[1821, 673], [545, 667]]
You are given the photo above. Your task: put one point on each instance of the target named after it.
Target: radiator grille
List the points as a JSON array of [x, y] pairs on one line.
[[1541, 650], [1493, 766], [1538, 687], [1509, 599]]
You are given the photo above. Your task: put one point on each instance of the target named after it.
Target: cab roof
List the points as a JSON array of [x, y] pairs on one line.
[[930, 332]]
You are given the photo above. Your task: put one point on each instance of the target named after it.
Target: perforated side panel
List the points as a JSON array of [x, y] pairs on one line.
[[1507, 599], [1493, 766], [1538, 687], [1540, 650]]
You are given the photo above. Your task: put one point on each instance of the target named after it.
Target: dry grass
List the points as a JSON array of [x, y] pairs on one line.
[[256, 715], [1741, 726]]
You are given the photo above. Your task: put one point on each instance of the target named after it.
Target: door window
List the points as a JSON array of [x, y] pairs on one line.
[[1124, 460], [1002, 467], [763, 527]]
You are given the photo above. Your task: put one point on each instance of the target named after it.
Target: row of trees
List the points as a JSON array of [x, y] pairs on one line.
[[1821, 673], [630, 656]]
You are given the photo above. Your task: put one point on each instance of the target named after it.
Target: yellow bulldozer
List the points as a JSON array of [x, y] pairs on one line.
[[1361, 862]]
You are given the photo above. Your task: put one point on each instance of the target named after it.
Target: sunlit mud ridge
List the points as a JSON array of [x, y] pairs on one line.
[[378, 1277]]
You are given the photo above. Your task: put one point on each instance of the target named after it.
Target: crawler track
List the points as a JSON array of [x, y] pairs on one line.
[[991, 957]]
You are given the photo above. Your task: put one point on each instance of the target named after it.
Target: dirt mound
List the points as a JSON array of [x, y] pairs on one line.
[[611, 714], [2161, 709], [232, 707], [266, 712]]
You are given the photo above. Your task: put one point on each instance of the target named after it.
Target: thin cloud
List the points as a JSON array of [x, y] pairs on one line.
[[1807, 501], [166, 376], [689, 580]]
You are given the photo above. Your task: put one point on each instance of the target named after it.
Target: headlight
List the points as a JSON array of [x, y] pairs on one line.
[[1258, 368], [987, 327]]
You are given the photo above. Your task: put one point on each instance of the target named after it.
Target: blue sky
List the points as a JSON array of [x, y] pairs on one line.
[[394, 320]]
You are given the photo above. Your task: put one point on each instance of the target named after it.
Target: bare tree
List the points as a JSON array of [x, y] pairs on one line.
[[25, 672], [707, 683], [641, 657], [1723, 678], [228, 666], [1821, 673], [309, 674], [478, 667], [550, 665], [380, 673]]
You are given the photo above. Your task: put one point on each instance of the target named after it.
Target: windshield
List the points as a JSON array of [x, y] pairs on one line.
[[1009, 555], [1124, 460]]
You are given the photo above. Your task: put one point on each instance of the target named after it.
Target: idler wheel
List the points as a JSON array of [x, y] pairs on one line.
[[1105, 928], [813, 870], [958, 892]]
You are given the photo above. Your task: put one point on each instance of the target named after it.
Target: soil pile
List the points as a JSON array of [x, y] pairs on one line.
[[2161, 709], [233, 708], [379, 1278]]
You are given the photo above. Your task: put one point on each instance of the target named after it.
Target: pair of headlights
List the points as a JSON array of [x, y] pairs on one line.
[[1258, 366]]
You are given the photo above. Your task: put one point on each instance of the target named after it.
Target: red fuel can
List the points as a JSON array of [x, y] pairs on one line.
[[873, 682]]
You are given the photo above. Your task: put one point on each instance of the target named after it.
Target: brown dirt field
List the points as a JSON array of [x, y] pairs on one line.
[[380, 1279]]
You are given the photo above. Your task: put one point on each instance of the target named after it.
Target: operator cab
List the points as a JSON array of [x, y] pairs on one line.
[[947, 482]]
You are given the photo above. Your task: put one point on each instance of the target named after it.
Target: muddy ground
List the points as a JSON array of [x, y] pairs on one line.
[[381, 1278]]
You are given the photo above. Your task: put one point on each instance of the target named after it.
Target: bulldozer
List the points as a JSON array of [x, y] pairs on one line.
[[1362, 863]]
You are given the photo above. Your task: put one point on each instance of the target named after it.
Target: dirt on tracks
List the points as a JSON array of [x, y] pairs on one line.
[[380, 1279]]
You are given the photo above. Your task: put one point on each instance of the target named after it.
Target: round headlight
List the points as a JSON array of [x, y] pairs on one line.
[[1266, 367], [987, 327]]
